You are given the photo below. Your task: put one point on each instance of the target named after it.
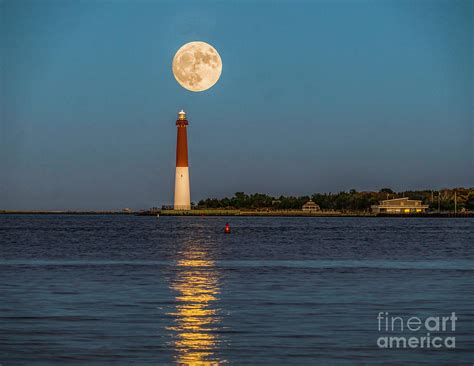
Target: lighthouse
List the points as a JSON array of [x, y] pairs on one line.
[[182, 195]]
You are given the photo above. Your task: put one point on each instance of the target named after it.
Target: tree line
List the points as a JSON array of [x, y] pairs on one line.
[[341, 201]]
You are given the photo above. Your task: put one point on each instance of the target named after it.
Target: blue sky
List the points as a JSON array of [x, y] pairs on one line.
[[316, 96]]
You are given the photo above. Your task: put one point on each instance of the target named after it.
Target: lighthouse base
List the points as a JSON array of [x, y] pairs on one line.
[[182, 195]]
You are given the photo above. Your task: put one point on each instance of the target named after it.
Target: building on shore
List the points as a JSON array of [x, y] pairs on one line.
[[311, 206], [182, 195], [400, 206]]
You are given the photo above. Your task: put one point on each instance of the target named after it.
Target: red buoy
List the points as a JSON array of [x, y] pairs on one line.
[[227, 229]]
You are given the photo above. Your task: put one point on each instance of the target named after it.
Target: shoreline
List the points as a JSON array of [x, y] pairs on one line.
[[243, 213]]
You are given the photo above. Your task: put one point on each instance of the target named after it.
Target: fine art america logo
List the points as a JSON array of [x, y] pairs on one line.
[[415, 332]]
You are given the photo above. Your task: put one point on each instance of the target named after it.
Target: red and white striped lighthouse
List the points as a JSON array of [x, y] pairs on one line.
[[182, 195]]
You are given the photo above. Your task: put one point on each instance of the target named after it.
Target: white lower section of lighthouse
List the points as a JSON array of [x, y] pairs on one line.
[[182, 194]]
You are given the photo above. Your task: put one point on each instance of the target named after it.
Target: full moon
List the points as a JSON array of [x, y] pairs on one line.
[[197, 66]]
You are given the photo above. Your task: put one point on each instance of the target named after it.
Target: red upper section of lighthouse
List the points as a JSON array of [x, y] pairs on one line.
[[182, 143]]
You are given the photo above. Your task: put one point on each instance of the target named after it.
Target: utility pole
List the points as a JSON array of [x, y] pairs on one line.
[[439, 201], [455, 203]]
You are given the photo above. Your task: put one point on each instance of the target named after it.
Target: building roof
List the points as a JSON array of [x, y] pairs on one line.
[[404, 202], [403, 199], [398, 199]]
